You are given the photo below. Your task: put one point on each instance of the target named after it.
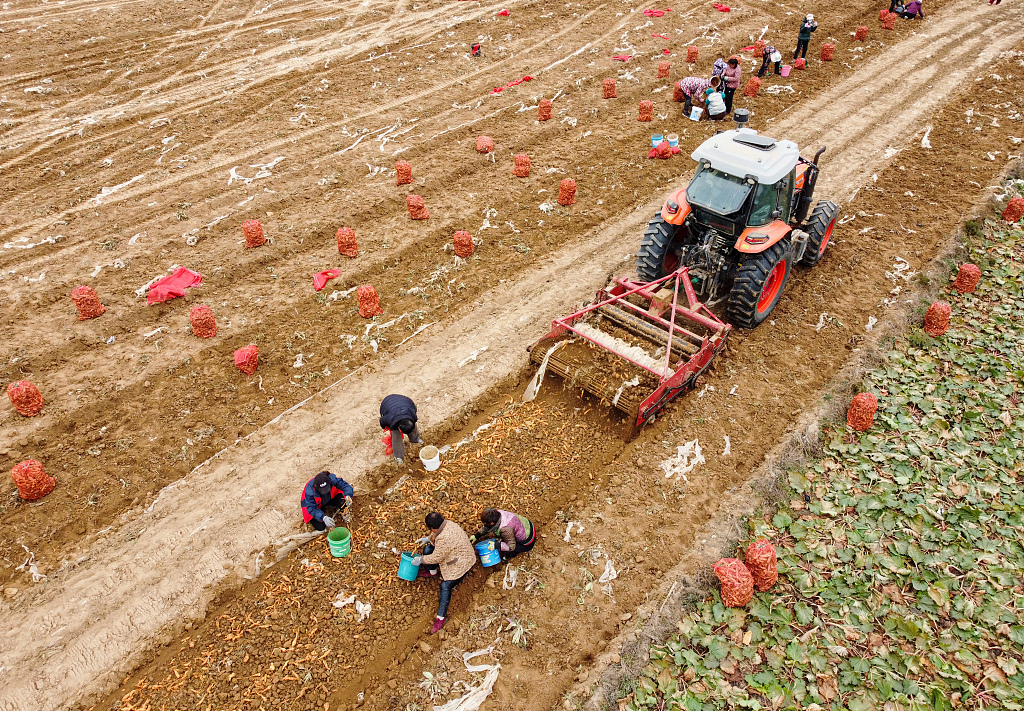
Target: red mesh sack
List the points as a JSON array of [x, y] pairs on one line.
[[663, 150], [1014, 210], [403, 173], [463, 244], [889, 21], [762, 563], [861, 414], [753, 86], [544, 110], [87, 303], [883, 13], [861, 34], [247, 359], [484, 144], [677, 92], [759, 48], [25, 397], [347, 246], [936, 319], [386, 439], [826, 51], [567, 192], [31, 480], [800, 64], [737, 582], [609, 89], [204, 325], [521, 169], [967, 279], [253, 231], [663, 69], [691, 54], [417, 208], [369, 302], [646, 111]]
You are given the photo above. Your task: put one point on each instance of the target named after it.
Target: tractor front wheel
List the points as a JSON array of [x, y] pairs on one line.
[[759, 282], [819, 231], [655, 257]]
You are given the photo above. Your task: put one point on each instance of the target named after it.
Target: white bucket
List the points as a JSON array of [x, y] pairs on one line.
[[430, 457]]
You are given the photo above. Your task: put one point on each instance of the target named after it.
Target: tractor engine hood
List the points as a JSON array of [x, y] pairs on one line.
[[744, 153]]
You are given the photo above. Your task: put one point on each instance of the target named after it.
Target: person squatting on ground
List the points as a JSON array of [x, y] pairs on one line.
[[447, 549], [320, 492], [716, 104], [913, 9], [731, 77], [516, 533], [804, 38], [770, 56], [398, 414], [694, 88]]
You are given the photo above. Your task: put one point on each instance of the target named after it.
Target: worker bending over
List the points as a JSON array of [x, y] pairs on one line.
[[516, 534], [448, 548], [398, 414], [320, 492]]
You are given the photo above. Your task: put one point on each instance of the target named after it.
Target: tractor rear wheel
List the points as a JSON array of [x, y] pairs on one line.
[[819, 230], [758, 286], [655, 258]]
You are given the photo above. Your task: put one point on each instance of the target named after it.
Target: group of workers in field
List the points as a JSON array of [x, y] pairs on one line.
[[448, 552]]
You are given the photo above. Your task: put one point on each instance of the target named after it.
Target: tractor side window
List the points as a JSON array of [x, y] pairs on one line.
[[786, 197], [765, 199]]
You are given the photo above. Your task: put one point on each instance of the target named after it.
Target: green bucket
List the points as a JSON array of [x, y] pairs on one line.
[[340, 541]]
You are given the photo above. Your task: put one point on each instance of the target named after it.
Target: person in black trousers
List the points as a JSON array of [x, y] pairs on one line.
[[398, 414], [803, 39]]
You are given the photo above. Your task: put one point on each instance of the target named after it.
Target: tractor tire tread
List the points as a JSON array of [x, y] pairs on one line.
[[824, 213], [654, 246], [750, 277]]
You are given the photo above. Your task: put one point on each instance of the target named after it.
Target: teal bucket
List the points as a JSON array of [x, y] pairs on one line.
[[340, 542], [407, 570], [488, 553]]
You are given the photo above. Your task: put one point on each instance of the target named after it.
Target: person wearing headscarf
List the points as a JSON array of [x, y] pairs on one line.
[[803, 39]]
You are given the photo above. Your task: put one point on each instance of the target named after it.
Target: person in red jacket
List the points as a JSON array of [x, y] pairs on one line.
[[731, 76], [320, 492]]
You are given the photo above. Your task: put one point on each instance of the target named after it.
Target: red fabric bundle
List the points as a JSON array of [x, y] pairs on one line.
[[967, 279], [826, 51], [623, 57], [691, 54], [653, 13], [87, 303], [403, 174], [369, 302], [173, 286], [504, 13], [25, 397], [417, 208], [31, 480], [204, 325], [463, 244], [800, 64], [753, 86], [663, 69], [567, 192], [253, 231], [737, 582], [862, 33], [759, 49], [646, 111], [889, 21], [1014, 210], [544, 110], [609, 89], [936, 320], [484, 144], [762, 563], [320, 279], [347, 246], [861, 414], [247, 359], [677, 92], [521, 169]]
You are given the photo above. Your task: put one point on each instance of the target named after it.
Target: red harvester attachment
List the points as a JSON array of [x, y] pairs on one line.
[[636, 347]]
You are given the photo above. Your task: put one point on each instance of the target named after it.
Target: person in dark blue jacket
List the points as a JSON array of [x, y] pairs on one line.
[[323, 490], [398, 414]]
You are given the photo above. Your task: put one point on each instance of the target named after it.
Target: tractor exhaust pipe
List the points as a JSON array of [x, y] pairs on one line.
[[808, 195]]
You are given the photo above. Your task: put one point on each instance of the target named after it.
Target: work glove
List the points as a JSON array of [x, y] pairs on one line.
[[329, 522], [416, 560], [422, 541], [348, 500], [472, 539]]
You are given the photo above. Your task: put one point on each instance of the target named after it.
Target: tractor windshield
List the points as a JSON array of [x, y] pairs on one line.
[[717, 191]]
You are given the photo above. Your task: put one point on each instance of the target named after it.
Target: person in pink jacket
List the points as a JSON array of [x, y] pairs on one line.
[[732, 74]]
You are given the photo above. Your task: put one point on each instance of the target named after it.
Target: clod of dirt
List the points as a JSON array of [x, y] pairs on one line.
[[204, 325], [567, 192], [346, 237], [484, 144], [737, 582], [967, 278], [761, 560], [691, 54], [417, 208], [521, 168], [253, 231], [25, 397], [87, 302], [663, 69], [677, 92], [1014, 210], [889, 21], [609, 89], [247, 359], [759, 49], [800, 64], [463, 244], [936, 320], [861, 414], [544, 109], [861, 34], [826, 51], [753, 86], [369, 302], [403, 172], [32, 481], [646, 111]]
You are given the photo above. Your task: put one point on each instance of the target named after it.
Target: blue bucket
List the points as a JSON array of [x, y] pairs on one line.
[[488, 553], [407, 570]]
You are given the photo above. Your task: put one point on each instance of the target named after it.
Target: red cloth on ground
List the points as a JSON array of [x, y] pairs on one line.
[[653, 13], [514, 82], [503, 13], [173, 286], [664, 37], [747, 49], [320, 279], [623, 57]]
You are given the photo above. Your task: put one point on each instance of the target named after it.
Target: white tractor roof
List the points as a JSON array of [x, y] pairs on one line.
[[742, 152]]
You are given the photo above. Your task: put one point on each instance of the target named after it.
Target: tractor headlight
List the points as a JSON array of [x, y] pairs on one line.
[[673, 207], [757, 238]]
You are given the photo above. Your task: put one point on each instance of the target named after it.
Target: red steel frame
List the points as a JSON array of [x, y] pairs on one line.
[[670, 382]]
